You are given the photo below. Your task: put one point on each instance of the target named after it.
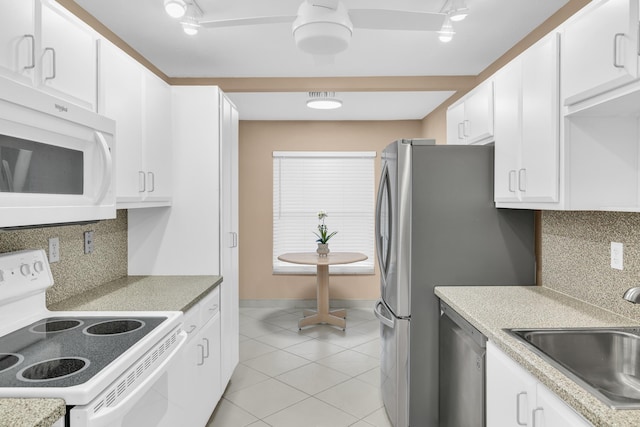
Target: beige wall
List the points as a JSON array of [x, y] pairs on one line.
[[258, 140]]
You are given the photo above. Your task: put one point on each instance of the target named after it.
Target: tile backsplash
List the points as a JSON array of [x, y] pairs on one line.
[[76, 271], [576, 257]]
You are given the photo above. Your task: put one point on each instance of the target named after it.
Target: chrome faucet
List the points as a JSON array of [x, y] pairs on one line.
[[632, 295]]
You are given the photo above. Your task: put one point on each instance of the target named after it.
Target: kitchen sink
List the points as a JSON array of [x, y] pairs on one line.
[[606, 362]]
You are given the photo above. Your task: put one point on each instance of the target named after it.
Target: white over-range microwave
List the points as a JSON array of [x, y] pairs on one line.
[[56, 160]]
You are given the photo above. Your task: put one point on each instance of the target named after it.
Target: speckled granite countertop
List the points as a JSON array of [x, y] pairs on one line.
[[133, 293], [30, 412], [143, 293], [492, 308]]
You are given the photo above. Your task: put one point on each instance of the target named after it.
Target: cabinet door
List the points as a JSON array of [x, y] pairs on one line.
[[121, 81], [207, 382], [229, 305], [67, 57], [157, 139], [511, 391], [551, 411], [478, 112], [508, 137], [17, 40], [539, 174], [599, 50], [455, 123]]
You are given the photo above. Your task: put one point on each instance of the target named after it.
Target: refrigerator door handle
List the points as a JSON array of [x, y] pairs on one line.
[[391, 323], [378, 229]]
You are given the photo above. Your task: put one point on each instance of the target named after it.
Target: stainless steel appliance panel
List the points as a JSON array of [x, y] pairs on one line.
[[394, 364], [462, 372]]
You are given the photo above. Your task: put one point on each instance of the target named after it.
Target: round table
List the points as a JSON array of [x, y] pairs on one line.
[[322, 263]]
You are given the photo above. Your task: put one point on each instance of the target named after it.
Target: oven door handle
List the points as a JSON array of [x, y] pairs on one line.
[[111, 416], [107, 163]]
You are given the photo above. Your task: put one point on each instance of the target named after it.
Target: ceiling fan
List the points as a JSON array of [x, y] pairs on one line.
[[324, 27]]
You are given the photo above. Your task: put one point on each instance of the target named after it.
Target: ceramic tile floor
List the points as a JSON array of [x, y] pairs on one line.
[[317, 377]]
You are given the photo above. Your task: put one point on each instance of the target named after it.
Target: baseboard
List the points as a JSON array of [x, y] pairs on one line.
[[306, 303]]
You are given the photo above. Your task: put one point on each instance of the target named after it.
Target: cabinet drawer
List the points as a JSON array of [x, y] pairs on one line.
[[209, 306], [191, 321]]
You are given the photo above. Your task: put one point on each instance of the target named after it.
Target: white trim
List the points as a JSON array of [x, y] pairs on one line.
[[297, 154]]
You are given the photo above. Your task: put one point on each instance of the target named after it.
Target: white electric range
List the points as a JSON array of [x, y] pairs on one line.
[[111, 368]]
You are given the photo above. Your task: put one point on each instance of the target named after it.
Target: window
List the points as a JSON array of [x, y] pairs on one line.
[[340, 183]]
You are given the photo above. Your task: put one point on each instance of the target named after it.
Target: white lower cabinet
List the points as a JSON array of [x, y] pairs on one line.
[[516, 398], [200, 385]]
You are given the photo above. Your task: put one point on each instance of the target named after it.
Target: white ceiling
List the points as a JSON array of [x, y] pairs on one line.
[[492, 27]]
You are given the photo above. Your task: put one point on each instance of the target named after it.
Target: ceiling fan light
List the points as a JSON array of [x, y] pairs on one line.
[[175, 8], [189, 28], [445, 35], [323, 101], [322, 38]]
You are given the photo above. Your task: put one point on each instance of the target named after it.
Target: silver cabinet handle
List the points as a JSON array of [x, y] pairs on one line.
[[53, 63], [461, 130], [615, 50], [201, 354], [520, 423], [33, 51], [522, 179], [191, 329], [152, 179], [206, 356], [144, 182], [512, 180], [535, 411]]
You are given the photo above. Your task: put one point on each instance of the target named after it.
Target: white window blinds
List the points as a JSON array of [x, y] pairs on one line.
[[340, 183]]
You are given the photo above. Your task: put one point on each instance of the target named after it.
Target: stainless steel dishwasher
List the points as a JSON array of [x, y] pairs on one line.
[[462, 371]]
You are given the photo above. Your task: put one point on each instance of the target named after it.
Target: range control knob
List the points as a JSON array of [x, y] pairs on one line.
[[25, 269], [38, 266]]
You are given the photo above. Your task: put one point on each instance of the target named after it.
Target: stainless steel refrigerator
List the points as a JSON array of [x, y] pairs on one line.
[[436, 225]]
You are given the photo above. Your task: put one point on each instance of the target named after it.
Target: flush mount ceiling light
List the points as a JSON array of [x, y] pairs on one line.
[[175, 8], [323, 101]]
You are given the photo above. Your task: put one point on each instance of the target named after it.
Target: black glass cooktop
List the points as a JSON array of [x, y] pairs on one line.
[[63, 352]]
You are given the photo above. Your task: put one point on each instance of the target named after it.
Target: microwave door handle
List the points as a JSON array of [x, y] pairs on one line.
[[108, 166]]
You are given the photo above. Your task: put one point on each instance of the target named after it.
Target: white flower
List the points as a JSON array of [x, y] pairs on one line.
[[322, 215]]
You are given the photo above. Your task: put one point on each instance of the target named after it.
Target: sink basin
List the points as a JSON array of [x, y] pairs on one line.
[[606, 362]]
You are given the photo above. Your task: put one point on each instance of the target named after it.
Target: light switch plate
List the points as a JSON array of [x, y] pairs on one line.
[[617, 256]]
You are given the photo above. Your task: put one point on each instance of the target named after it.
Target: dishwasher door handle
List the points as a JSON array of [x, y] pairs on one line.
[[390, 322]]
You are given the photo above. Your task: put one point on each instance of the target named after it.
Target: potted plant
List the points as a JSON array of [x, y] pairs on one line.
[[323, 235]]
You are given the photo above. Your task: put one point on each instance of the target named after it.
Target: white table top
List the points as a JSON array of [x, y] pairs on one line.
[[312, 258]]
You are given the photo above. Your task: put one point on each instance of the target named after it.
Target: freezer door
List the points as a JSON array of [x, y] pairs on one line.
[[393, 227], [394, 365]]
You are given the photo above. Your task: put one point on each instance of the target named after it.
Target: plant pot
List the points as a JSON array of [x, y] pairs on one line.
[[323, 249]]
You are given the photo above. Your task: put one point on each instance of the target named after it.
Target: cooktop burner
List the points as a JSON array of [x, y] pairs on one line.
[[56, 325], [8, 361], [53, 369], [114, 327], [56, 352]]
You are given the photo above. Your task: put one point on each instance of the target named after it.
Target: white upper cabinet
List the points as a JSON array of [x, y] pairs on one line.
[[45, 46], [599, 49], [140, 103], [17, 40], [67, 56], [527, 121], [470, 120]]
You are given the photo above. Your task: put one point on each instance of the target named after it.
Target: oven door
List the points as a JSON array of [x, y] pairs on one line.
[[146, 404], [55, 160]]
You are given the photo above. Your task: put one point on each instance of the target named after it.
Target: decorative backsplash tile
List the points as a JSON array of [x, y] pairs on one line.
[[76, 272], [576, 257]]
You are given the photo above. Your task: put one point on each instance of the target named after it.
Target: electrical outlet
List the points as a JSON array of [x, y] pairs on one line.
[[617, 256], [54, 249], [88, 242]]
